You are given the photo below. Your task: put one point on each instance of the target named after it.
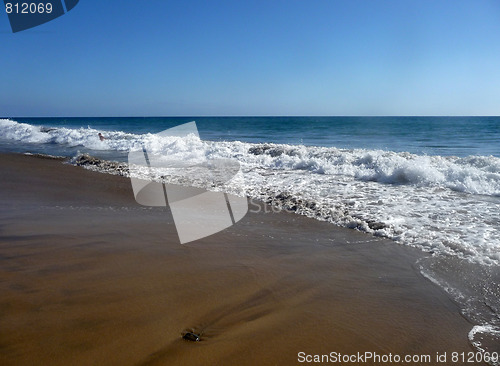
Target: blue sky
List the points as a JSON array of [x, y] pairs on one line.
[[173, 58]]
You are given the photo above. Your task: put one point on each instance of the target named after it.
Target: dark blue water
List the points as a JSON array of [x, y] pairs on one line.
[[460, 136]]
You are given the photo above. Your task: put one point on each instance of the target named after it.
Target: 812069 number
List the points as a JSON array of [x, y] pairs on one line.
[[28, 8]]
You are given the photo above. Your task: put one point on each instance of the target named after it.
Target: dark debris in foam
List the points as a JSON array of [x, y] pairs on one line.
[[273, 151], [288, 202], [374, 225], [292, 203], [103, 166]]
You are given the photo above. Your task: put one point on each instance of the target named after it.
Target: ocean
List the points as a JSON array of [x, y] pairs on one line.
[[428, 182], [444, 136]]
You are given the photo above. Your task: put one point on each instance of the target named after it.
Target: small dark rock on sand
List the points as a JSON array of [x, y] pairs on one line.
[[193, 337]]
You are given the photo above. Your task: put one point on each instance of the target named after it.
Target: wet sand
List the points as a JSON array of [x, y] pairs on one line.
[[89, 277]]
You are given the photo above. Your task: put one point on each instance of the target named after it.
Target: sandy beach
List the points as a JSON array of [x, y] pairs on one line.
[[89, 277]]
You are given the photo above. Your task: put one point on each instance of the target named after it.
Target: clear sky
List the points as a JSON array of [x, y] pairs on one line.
[[272, 57]]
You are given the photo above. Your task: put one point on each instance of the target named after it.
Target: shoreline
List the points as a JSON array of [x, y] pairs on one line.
[[90, 276]]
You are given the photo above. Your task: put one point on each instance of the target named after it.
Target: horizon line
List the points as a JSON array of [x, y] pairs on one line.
[[252, 116]]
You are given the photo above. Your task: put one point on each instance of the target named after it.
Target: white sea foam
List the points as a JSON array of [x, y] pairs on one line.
[[442, 204], [486, 339], [86, 137]]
